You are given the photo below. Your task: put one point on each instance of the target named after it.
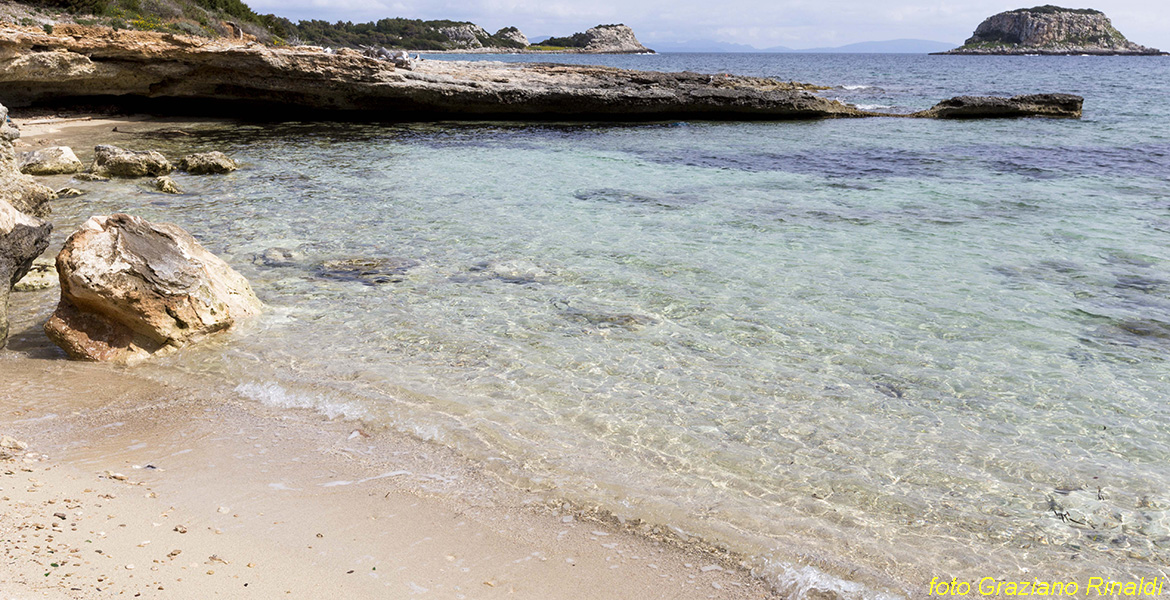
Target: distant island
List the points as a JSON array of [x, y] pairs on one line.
[[1050, 29]]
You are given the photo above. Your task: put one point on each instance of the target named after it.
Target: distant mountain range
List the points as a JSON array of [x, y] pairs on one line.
[[903, 46]]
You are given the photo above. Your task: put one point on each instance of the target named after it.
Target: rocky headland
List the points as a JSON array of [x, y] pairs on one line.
[[603, 39], [1050, 30], [169, 73]]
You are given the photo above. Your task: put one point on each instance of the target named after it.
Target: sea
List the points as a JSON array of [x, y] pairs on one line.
[[863, 354]]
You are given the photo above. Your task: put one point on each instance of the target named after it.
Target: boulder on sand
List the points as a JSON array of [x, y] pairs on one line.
[[112, 161], [55, 160], [22, 239], [208, 163], [132, 289]]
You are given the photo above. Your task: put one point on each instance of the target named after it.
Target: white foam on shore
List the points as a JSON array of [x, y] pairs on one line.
[[791, 581], [273, 394], [382, 476], [854, 88]]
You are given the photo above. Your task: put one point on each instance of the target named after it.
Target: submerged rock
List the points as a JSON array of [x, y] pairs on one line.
[[132, 289], [166, 185], [511, 271], [90, 177], [1065, 106], [69, 192], [42, 276], [55, 160], [370, 271], [279, 257], [112, 161], [22, 239], [604, 319], [208, 163]]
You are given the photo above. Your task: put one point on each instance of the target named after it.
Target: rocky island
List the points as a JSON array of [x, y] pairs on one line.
[[1050, 29]]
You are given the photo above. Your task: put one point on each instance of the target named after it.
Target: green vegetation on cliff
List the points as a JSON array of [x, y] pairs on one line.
[[414, 34], [193, 17], [1051, 9], [208, 18]]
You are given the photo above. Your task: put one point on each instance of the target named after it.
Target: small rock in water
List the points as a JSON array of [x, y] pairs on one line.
[[55, 160], [208, 163], [90, 177], [166, 185], [112, 161], [278, 257], [69, 192], [42, 276], [369, 271]]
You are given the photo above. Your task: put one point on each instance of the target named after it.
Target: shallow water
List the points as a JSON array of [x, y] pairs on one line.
[[864, 352]]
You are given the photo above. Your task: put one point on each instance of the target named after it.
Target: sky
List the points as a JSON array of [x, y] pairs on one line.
[[759, 23]]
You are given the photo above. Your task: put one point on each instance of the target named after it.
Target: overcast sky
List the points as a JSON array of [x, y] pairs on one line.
[[760, 23]]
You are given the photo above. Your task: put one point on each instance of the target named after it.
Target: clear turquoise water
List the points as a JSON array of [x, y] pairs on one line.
[[866, 353]]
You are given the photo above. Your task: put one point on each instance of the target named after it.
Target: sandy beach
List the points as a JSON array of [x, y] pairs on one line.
[[117, 485]]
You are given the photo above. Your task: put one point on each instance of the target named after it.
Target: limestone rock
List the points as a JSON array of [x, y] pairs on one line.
[[90, 177], [207, 163], [465, 35], [984, 107], [112, 161], [513, 35], [613, 39], [22, 239], [42, 276], [17, 189], [55, 160], [1049, 30], [132, 289], [68, 192], [166, 185], [259, 81]]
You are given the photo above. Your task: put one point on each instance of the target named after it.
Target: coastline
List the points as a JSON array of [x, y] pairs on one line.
[[252, 486], [281, 501]]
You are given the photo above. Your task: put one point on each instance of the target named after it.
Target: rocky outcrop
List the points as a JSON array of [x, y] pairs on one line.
[[466, 35], [1065, 106], [55, 160], [513, 35], [22, 239], [17, 189], [166, 185], [1049, 30], [613, 39], [179, 74], [603, 39], [112, 161], [132, 289], [208, 163]]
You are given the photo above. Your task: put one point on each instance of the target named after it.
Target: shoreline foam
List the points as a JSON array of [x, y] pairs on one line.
[[255, 486]]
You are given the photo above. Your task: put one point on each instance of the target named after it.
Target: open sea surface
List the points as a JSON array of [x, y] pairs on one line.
[[864, 353]]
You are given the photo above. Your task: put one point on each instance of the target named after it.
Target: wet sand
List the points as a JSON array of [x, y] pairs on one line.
[[139, 488]]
